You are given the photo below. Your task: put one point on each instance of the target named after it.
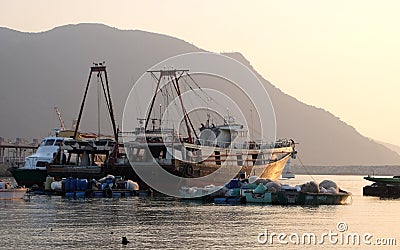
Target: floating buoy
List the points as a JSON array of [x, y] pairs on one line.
[[124, 240]]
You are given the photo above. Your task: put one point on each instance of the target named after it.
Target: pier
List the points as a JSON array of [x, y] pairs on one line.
[[14, 153]]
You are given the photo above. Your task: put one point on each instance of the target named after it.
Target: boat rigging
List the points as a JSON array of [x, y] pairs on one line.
[[100, 69]]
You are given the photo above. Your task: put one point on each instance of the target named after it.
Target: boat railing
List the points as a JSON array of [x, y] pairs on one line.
[[104, 144], [250, 145], [244, 145]]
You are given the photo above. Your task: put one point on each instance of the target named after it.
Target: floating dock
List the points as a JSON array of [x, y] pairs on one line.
[[107, 187]]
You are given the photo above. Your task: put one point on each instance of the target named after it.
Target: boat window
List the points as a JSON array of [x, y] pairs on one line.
[[49, 142], [41, 164], [58, 142], [42, 143]]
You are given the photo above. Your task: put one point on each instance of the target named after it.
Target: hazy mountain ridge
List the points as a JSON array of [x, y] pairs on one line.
[[320, 133], [390, 146], [41, 70]]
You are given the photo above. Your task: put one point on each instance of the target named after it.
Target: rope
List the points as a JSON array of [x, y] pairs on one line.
[[298, 158]]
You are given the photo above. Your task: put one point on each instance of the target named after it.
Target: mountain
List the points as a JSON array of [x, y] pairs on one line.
[[390, 146], [39, 71], [323, 138]]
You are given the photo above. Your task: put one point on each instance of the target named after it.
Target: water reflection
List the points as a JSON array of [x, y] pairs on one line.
[[59, 223]]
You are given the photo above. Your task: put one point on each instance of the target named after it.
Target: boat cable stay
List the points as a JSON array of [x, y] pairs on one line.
[[168, 94], [174, 91], [298, 158]]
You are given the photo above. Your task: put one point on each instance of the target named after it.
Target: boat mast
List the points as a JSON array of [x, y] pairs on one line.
[[100, 69], [175, 81]]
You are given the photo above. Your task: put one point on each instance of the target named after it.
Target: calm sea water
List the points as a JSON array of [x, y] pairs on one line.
[[152, 223]]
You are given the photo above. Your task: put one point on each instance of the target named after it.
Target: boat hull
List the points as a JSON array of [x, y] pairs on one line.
[[37, 177], [298, 198], [195, 171], [383, 187], [271, 171], [323, 199], [10, 194], [59, 172], [29, 177], [382, 191]]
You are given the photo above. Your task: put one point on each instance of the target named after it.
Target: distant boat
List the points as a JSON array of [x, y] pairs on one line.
[[287, 173], [7, 192], [383, 187]]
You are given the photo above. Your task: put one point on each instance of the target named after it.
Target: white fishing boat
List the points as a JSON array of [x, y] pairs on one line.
[[34, 172]]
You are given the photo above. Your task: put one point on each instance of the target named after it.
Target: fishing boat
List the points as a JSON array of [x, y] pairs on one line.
[[75, 154], [266, 160], [340, 198], [7, 192], [383, 187], [94, 157], [219, 149], [273, 193]]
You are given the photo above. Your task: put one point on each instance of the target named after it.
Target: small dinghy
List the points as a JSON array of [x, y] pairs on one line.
[[8, 192]]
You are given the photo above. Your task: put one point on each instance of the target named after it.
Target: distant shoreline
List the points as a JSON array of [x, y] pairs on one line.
[[347, 170]]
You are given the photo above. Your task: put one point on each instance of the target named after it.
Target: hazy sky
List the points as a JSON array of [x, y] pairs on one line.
[[342, 55]]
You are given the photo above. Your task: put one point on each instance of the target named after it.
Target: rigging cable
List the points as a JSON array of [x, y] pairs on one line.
[[198, 86], [298, 158]]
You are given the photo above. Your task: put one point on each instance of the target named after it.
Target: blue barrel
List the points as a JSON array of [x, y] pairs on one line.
[[78, 184], [69, 194], [68, 185], [80, 194], [234, 183], [73, 184], [84, 184], [220, 200]]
